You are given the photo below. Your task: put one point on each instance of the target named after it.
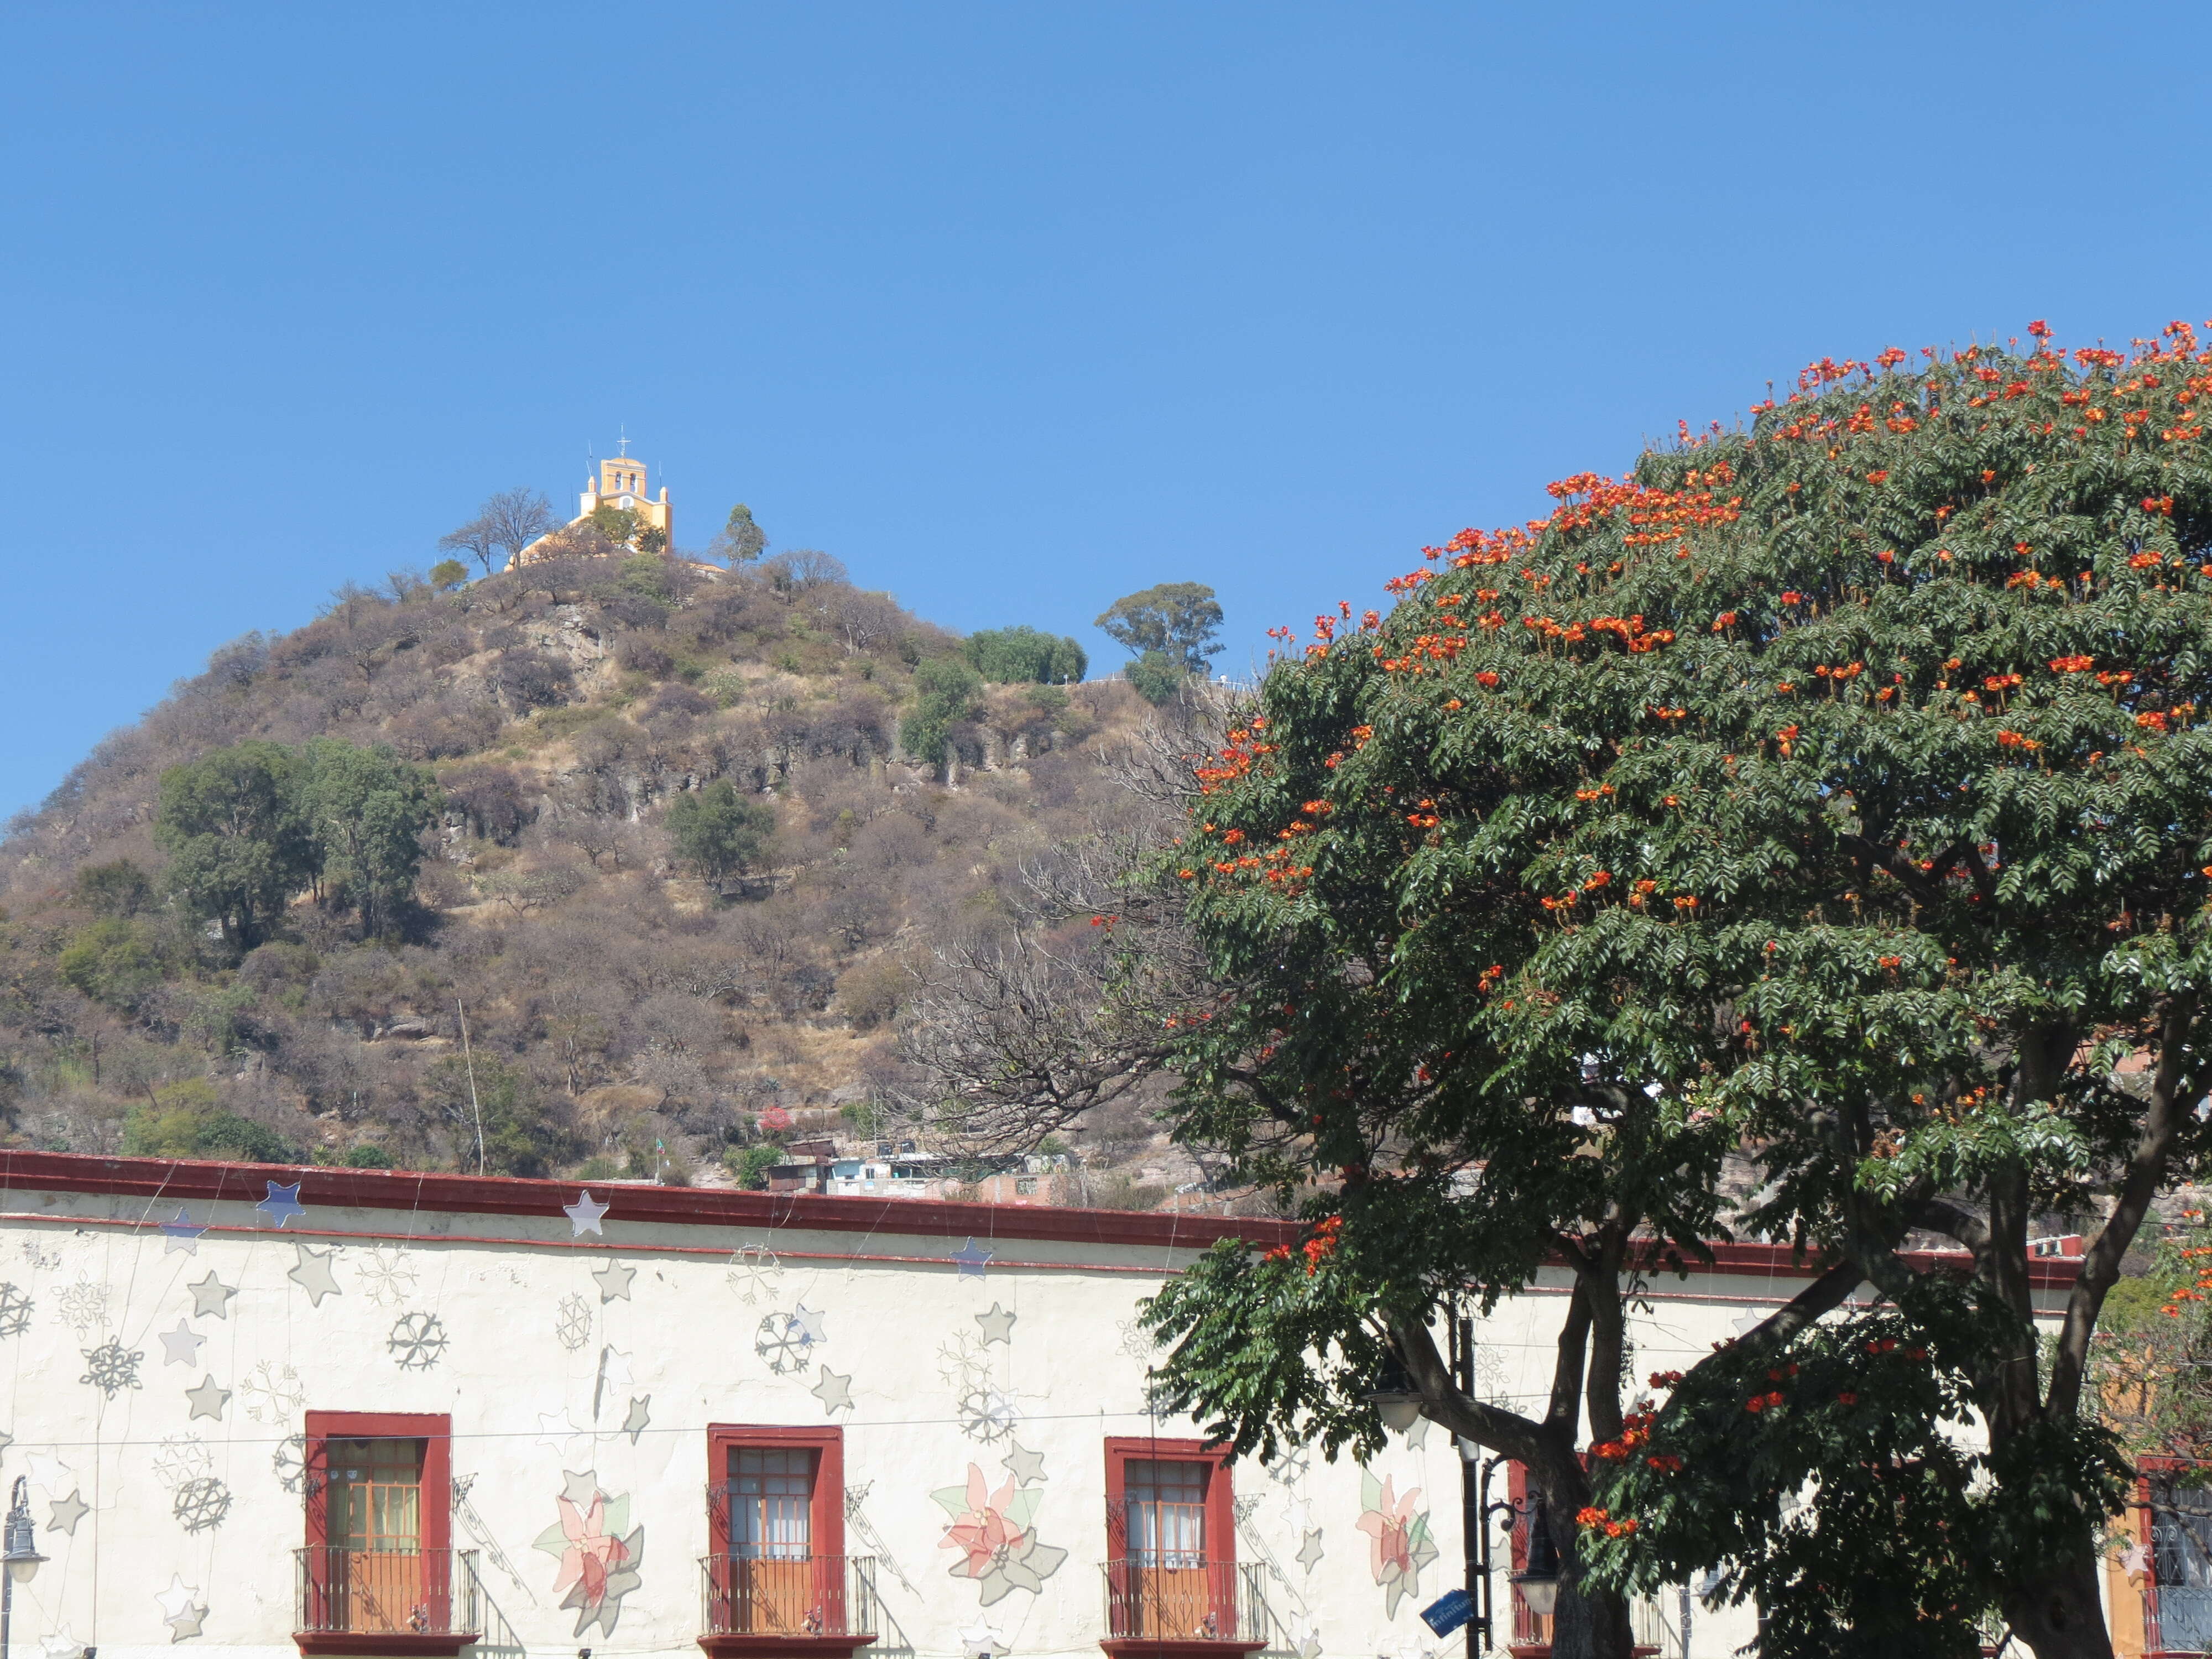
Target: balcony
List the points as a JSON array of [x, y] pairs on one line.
[[424, 1602], [1647, 1622], [1189, 1610], [755, 1607]]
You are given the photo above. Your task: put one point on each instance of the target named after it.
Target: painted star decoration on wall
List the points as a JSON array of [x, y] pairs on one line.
[[181, 1609], [181, 1235], [312, 1273], [835, 1391], [1025, 1466], [613, 1281], [283, 1204], [208, 1399], [211, 1295], [66, 1512], [973, 1261], [180, 1346], [584, 1215]]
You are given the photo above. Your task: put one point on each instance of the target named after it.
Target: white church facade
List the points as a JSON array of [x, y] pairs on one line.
[[266, 1413]]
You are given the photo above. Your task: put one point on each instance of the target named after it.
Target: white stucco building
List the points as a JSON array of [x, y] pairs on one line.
[[265, 1413]]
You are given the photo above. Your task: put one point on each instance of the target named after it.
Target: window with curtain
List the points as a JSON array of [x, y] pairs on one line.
[[376, 1495], [771, 1503], [1166, 1505]]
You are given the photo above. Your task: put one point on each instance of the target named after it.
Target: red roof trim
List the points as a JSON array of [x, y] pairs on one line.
[[165, 1180]]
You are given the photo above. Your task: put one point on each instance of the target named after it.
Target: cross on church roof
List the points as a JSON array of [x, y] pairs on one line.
[[625, 441]]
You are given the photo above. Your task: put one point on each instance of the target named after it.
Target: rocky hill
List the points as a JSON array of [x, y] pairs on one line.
[[624, 1013]]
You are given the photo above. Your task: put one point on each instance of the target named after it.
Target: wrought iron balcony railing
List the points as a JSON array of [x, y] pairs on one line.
[[1191, 1601], [348, 1592], [825, 1595]]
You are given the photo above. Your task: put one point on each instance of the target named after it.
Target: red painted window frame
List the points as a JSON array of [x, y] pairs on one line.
[[1220, 1542], [825, 1524], [435, 1431], [1121, 1450], [825, 1528]]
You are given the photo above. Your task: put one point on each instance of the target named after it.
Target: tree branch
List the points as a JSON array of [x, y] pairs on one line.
[[2100, 1267]]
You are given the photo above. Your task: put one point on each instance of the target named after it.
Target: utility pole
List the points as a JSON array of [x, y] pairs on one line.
[[477, 1111]]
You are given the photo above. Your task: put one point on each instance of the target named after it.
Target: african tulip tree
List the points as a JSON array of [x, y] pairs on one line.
[[1833, 798]]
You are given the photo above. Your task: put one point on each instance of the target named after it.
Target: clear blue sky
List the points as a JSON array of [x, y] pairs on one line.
[[1014, 309]]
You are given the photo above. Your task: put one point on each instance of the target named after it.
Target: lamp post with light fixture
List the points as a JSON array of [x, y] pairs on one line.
[[19, 1556]]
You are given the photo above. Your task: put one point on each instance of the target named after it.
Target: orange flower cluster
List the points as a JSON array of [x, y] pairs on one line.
[[1591, 1518]]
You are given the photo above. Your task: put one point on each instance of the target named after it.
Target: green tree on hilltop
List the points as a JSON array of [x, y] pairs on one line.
[[1178, 619], [1010, 655]]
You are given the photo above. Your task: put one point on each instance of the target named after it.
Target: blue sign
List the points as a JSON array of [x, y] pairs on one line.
[[1448, 1612]]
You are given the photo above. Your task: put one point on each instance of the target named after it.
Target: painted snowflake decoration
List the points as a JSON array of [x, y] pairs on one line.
[[182, 1459], [110, 1367], [783, 1341], [417, 1342], [753, 1274], [202, 1504], [986, 1415], [15, 1311], [573, 1325], [82, 1306], [289, 1461], [388, 1275], [964, 1360], [272, 1392]]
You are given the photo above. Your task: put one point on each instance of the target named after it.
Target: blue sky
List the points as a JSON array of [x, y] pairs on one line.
[[1014, 308]]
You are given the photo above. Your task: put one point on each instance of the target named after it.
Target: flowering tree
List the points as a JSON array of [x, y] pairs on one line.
[[1832, 797]]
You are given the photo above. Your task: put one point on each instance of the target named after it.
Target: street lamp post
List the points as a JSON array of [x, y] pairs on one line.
[[1538, 1581], [20, 1556]]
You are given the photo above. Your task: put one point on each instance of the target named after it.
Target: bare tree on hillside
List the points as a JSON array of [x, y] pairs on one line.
[[506, 524], [1017, 1033]]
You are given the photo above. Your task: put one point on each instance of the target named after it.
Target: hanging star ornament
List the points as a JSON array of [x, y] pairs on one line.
[[613, 1281], [312, 1273], [178, 1598], [181, 1235], [66, 1512], [972, 1260], [208, 1399], [180, 1346], [187, 1624], [584, 1215], [579, 1489], [640, 1415], [1025, 1466], [981, 1642], [1309, 1552], [835, 1391], [997, 1325], [283, 1203], [809, 1320], [211, 1295], [47, 1471]]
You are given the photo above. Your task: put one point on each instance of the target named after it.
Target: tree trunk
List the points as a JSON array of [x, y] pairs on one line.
[[2060, 1616], [1592, 1626]]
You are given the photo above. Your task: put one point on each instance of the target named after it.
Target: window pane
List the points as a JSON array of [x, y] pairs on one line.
[[771, 1502], [375, 1500], [1166, 1503]]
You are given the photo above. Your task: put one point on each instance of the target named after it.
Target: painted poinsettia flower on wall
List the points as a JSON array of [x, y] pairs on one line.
[[992, 1530], [598, 1550], [1399, 1544]]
